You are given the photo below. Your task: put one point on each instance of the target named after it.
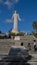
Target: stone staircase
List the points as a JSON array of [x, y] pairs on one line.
[[28, 37], [5, 44]]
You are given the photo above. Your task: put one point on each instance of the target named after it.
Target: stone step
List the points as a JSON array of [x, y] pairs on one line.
[[32, 63], [33, 60]]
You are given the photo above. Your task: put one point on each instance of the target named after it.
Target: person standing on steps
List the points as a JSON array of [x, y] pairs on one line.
[[29, 46], [34, 45]]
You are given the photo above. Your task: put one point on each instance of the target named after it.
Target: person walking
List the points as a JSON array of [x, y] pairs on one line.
[[34, 45], [29, 46]]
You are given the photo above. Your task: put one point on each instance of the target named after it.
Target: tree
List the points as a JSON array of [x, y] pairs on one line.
[[35, 34], [20, 34], [34, 24]]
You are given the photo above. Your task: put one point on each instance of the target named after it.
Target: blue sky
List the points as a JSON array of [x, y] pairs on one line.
[[27, 10]]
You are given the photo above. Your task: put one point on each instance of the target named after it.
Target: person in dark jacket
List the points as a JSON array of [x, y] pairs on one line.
[[34, 45]]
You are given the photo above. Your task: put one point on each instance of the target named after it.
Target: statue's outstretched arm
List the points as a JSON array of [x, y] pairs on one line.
[[19, 18]]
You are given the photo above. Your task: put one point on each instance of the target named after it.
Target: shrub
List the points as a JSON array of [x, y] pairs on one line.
[[12, 34], [35, 34], [20, 34]]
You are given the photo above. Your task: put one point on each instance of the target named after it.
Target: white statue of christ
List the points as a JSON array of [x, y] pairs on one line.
[[15, 18]]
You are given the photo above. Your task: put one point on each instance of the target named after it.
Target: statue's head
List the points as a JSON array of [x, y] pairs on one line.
[[15, 11]]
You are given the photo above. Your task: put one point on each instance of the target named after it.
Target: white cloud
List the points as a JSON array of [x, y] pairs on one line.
[[10, 3], [16, 1], [8, 20]]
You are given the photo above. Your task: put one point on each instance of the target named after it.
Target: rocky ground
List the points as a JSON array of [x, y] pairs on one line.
[[33, 60]]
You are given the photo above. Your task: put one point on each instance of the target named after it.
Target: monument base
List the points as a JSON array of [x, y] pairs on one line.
[[15, 31]]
